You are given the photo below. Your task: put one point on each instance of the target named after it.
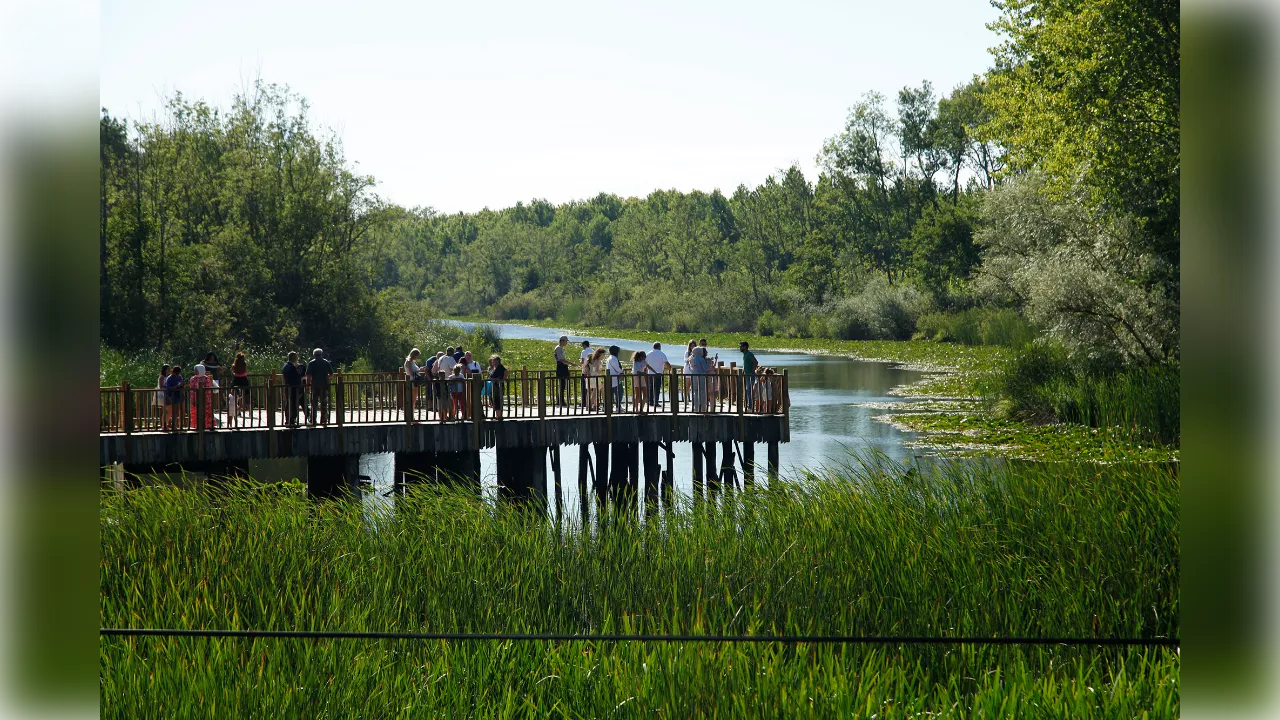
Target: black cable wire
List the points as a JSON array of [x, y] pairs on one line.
[[568, 637]]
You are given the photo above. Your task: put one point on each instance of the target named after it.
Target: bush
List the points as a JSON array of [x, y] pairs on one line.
[[879, 312], [767, 324], [1041, 383], [977, 326]]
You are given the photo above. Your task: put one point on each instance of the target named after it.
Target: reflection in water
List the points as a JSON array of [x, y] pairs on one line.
[[826, 424]]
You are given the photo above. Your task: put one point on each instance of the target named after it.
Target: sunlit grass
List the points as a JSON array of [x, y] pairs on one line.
[[874, 549]]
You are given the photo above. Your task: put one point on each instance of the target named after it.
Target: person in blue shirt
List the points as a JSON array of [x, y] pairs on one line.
[[749, 366], [173, 395]]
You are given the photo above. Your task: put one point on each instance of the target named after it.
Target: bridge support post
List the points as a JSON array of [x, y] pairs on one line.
[[618, 471], [727, 474], [522, 473], [697, 471], [748, 463], [412, 467], [331, 476], [669, 477], [460, 468], [602, 470], [713, 472], [584, 498], [773, 460], [652, 474]]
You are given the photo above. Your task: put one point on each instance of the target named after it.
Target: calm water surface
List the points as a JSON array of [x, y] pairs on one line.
[[827, 421]]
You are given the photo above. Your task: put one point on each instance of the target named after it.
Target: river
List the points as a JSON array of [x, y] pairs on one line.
[[829, 417]]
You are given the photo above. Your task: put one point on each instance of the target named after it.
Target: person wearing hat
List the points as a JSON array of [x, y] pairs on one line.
[[318, 372]]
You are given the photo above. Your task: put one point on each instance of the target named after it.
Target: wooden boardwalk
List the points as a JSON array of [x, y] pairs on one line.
[[385, 413]]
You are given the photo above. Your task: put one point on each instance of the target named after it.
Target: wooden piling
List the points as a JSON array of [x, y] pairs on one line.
[[748, 463], [697, 470], [602, 470], [652, 473], [727, 474]]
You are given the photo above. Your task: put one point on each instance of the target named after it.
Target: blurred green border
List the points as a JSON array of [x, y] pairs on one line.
[[1230, 497], [48, 515]]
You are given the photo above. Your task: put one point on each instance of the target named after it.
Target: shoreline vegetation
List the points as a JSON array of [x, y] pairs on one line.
[[873, 547], [951, 408]]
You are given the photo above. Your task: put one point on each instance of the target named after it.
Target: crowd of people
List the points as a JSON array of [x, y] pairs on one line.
[[455, 366], [308, 394], [702, 381]]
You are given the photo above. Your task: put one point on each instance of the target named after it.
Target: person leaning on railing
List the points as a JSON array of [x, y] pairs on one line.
[[292, 374], [173, 396], [562, 371], [318, 371], [497, 376]]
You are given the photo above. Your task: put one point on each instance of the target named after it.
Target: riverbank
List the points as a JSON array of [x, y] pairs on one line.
[[949, 409], [872, 549]]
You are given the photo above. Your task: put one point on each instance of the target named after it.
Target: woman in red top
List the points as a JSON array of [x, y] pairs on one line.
[[240, 381], [200, 384]]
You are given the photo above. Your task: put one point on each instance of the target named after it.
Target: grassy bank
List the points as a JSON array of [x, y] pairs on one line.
[[877, 549]]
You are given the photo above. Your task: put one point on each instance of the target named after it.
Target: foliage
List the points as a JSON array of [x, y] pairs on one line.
[[874, 547], [1075, 274], [1042, 383], [977, 326], [1091, 88], [234, 228]]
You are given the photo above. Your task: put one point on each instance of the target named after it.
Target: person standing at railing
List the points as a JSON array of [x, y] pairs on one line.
[[413, 374], [433, 388], [457, 393], [686, 384], [615, 377], [562, 371], [240, 381], [173, 396], [318, 372], [768, 393], [158, 402], [469, 365], [699, 368], [292, 375], [584, 358], [200, 384], [749, 366], [594, 373], [639, 383], [657, 362], [497, 376]]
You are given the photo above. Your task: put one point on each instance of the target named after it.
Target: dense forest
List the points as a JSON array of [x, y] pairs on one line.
[[1043, 194]]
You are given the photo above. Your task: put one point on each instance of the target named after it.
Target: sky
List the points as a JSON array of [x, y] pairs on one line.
[[461, 106]]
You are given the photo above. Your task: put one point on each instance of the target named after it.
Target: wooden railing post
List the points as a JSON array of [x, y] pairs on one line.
[[342, 405], [126, 407], [741, 379], [524, 385], [542, 396], [271, 401], [786, 395], [675, 392], [407, 402]]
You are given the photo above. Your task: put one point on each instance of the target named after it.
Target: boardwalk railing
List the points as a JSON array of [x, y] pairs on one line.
[[389, 398]]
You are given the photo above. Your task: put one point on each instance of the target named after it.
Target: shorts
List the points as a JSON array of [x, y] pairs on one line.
[[240, 381]]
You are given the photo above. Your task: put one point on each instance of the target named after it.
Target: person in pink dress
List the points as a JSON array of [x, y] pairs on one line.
[[201, 383]]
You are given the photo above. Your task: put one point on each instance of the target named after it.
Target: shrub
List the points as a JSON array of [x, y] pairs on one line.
[[767, 324], [977, 326], [1041, 383]]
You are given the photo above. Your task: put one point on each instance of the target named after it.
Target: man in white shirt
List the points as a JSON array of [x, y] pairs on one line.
[[583, 357], [657, 362], [615, 376], [442, 368], [469, 365]]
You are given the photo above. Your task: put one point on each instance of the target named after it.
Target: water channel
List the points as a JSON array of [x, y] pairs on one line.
[[829, 415]]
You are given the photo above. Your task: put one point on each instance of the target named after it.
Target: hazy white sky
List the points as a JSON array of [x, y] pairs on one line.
[[459, 106]]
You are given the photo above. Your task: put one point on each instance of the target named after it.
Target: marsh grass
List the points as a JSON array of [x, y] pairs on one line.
[[872, 548]]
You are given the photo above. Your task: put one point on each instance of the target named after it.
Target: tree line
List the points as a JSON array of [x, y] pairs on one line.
[[1047, 187]]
